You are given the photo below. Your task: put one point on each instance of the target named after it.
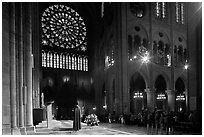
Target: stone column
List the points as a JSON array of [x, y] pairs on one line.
[[28, 66], [12, 43], [124, 59], [37, 55], [118, 68], [187, 98], [150, 99], [21, 76], [49, 115], [171, 99]]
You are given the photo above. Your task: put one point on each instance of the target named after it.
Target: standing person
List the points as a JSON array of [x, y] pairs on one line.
[[150, 123], [109, 118], [77, 117], [161, 123], [156, 120]]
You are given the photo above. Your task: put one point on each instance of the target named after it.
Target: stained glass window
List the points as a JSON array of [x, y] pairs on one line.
[[60, 61], [67, 61], [73, 63], [43, 58], [63, 28], [158, 9], [55, 60], [180, 13], [86, 64], [177, 12], [63, 61], [50, 59], [102, 9], [79, 63], [70, 62], [161, 9]]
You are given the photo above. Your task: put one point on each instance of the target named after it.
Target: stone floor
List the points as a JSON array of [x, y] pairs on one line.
[[64, 127]]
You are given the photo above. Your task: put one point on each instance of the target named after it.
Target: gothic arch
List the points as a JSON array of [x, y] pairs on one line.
[[160, 84], [144, 76], [180, 50], [139, 29], [166, 78], [180, 85], [161, 35], [143, 33], [182, 41], [183, 78], [134, 78], [161, 48]]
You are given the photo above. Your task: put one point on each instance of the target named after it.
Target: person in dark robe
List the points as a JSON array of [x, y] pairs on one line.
[[77, 118]]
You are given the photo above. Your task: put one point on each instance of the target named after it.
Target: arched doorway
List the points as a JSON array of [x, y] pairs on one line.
[[180, 97], [138, 99], [160, 86]]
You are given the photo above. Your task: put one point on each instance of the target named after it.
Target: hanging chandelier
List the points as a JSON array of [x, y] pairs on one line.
[[138, 95], [161, 96], [180, 97]]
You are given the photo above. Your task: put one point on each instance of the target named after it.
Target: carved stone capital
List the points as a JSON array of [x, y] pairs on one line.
[[170, 92]]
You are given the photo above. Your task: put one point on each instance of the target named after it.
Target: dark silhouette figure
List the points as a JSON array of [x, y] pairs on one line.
[[48, 95], [77, 118]]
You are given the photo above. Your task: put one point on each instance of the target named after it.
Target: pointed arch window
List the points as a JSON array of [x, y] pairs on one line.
[[67, 61], [51, 60], [70, 62], [180, 9], [63, 38], [55, 61], [43, 58], [161, 10], [63, 61]]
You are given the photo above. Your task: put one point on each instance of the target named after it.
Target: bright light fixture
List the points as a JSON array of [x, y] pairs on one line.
[[186, 66], [145, 59]]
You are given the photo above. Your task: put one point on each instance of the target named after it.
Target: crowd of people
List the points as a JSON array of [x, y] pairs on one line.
[[156, 122]]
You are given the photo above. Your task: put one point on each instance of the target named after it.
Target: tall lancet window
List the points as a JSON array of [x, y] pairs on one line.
[[161, 10], [63, 38], [180, 13]]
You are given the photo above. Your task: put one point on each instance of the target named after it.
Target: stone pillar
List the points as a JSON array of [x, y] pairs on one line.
[[150, 99], [187, 99], [37, 55], [118, 68], [6, 105], [21, 76], [28, 66], [49, 115], [124, 59], [12, 43], [171, 99]]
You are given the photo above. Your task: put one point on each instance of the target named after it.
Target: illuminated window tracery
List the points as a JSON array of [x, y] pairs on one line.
[[161, 10], [180, 13], [63, 29]]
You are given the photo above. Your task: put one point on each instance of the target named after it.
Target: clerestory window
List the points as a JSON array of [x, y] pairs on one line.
[[180, 13], [161, 10]]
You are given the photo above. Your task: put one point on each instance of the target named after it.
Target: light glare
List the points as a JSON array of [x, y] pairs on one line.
[[186, 66], [145, 59]]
